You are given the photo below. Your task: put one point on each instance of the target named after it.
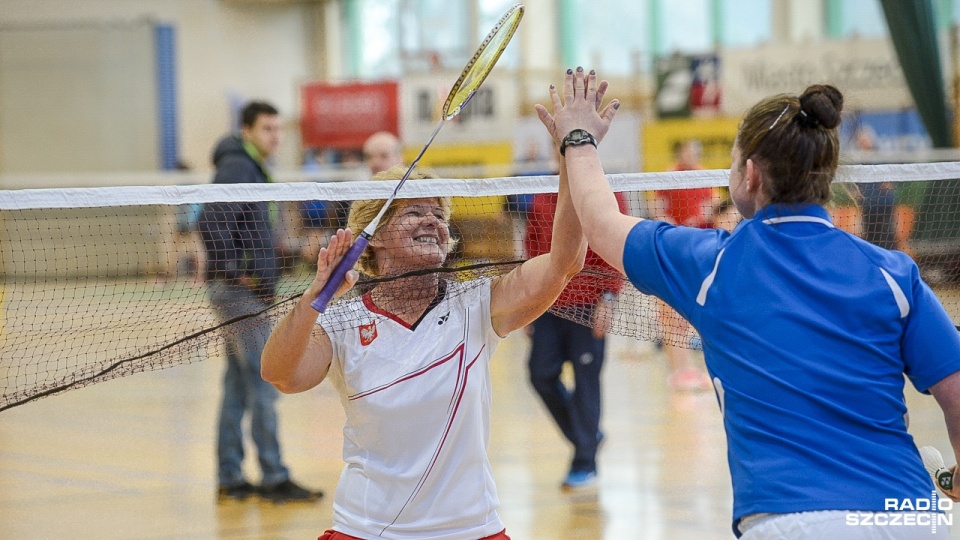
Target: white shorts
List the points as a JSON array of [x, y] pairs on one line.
[[849, 525]]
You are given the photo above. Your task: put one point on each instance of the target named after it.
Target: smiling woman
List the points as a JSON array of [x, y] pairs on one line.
[[413, 235], [410, 358], [410, 212]]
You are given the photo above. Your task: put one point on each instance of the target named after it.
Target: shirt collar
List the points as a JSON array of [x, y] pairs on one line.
[[806, 212]]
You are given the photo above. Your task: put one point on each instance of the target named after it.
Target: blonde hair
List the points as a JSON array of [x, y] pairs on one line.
[[362, 213]]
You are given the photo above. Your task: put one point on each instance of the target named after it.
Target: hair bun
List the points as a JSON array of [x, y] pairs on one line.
[[820, 105]]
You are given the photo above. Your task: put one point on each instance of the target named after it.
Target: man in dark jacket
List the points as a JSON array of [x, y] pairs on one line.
[[243, 268]]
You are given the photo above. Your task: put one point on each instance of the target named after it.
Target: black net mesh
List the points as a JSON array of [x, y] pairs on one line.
[[107, 288]]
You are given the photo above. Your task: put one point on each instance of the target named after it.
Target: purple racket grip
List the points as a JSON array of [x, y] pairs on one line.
[[326, 294]]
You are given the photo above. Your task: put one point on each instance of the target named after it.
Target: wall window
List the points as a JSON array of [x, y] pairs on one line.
[[409, 36], [614, 39], [379, 34], [404, 36], [489, 13], [686, 26], [435, 34], [746, 22], [862, 18], [624, 38]]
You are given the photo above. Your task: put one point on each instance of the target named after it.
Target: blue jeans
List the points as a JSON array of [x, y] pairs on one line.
[[577, 412], [244, 389]]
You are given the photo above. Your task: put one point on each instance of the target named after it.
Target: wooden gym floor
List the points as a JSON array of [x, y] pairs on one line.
[[134, 459]]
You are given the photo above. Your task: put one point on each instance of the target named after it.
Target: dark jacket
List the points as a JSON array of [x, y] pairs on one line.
[[239, 237]]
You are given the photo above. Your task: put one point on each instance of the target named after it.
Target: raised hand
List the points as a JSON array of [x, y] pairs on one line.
[[579, 107], [327, 260]]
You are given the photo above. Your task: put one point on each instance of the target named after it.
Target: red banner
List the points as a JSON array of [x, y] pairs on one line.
[[343, 115]]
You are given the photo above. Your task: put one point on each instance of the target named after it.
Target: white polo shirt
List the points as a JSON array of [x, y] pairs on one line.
[[417, 402]]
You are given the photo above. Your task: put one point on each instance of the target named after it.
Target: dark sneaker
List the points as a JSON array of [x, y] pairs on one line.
[[238, 492], [288, 491]]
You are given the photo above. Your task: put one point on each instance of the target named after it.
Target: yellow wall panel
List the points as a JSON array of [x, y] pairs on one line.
[[715, 134], [494, 159]]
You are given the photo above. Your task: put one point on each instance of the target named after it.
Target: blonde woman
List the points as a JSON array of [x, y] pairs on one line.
[[410, 360]]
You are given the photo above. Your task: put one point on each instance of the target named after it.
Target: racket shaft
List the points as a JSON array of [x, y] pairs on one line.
[[336, 278]]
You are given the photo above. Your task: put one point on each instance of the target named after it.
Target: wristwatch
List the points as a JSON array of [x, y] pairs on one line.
[[576, 138]]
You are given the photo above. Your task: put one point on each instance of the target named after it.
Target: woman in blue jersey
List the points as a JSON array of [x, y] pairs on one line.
[[410, 360], [807, 330]]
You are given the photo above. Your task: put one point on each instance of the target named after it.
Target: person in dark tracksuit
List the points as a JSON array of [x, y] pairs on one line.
[[559, 336]]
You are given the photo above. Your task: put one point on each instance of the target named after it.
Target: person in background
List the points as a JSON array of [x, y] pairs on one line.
[[691, 208], [242, 271], [556, 339], [877, 207], [809, 332], [516, 207], [316, 220], [381, 151], [313, 214]]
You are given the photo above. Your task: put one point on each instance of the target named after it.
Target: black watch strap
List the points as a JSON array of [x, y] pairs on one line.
[[576, 138]]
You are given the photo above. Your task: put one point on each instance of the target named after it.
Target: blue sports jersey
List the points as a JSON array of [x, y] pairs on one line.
[[807, 332]]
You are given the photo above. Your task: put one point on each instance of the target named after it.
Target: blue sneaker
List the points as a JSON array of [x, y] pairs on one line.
[[578, 480]]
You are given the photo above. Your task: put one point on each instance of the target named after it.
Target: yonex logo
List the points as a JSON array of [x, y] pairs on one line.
[[443, 319]]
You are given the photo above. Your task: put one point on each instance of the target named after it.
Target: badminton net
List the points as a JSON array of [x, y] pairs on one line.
[[99, 283]]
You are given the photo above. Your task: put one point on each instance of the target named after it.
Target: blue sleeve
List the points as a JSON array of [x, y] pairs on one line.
[[671, 262], [931, 343]]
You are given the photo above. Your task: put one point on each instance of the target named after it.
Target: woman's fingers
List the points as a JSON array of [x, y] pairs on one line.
[[349, 280], [590, 88], [610, 110], [344, 240], [580, 106], [329, 256], [555, 98], [546, 119], [601, 91]]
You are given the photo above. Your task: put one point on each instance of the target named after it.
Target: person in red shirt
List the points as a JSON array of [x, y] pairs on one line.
[[693, 208], [690, 207], [556, 339]]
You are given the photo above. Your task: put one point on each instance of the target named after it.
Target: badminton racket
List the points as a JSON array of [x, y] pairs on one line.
[[472, 76], [933, 462]]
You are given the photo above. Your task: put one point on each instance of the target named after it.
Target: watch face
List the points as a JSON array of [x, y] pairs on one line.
[[577, 137]]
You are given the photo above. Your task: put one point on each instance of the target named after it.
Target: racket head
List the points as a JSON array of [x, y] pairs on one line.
[[482, 62]]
